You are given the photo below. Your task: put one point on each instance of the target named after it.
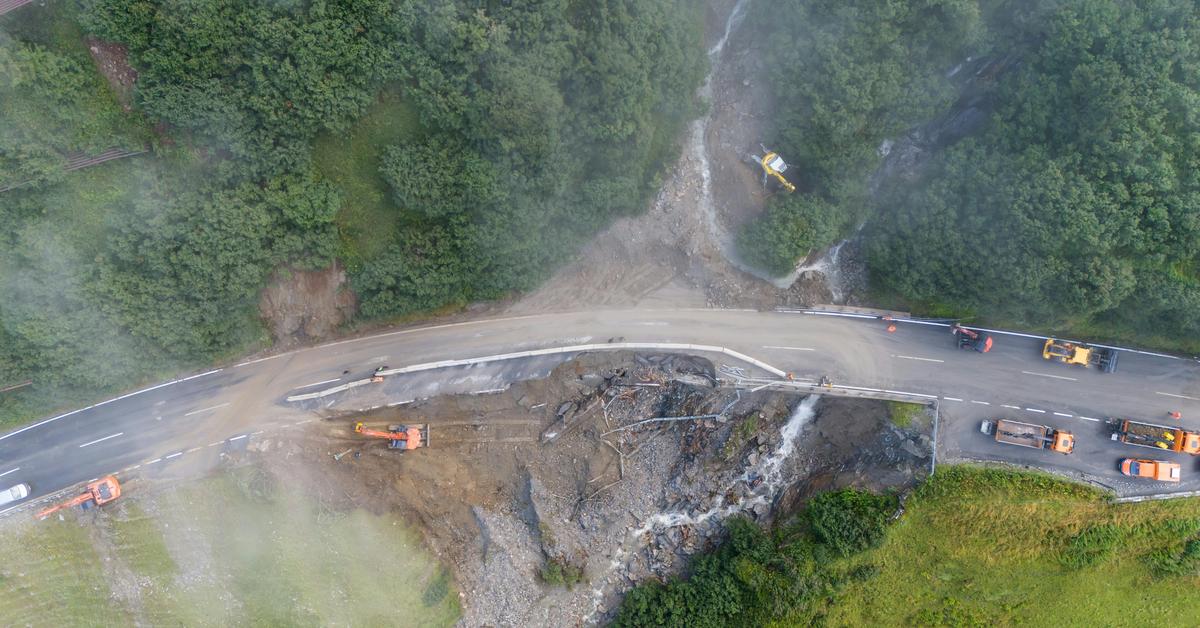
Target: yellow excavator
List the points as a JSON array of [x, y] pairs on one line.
[[773, 166]]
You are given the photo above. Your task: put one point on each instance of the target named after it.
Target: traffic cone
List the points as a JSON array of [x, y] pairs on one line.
[[1175, 414], [891, 328]]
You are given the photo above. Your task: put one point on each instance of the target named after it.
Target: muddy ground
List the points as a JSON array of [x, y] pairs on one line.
[[544, 475]]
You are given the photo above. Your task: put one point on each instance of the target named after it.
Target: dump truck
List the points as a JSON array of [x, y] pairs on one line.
[[1102, 358], [1157, 436], [1151, 469], [1029, 435], [97, 493], [402, 437], [976, 340]]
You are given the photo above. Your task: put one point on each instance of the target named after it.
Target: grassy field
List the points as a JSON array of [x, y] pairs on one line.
[[991, 548], [350, 160], [236, 549]]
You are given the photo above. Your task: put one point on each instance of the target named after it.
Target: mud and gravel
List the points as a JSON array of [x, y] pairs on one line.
[[549, 472], [300, 306]]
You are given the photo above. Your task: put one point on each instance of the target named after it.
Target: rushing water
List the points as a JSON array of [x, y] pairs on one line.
[[770, 470]]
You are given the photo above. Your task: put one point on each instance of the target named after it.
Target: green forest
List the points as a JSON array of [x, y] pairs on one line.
[[1074, 207], [442, 151]]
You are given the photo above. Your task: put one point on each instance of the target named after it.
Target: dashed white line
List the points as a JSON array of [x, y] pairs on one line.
[[1176, 396], [1005, 405], [788, 348], [214, 444], [951, 398], [303, 422], [256, 433], [982, 403], [222, 405], [10, 471], [98, 440], [1069, 379], [1088, 418], [193, 449], [134, 467], [174, 455], [913, 357], [150, 462], [1063, 414], [1035, 410], [327, 381], [239, 437]]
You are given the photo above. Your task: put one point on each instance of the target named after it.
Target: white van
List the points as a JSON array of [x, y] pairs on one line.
[[14, 494]]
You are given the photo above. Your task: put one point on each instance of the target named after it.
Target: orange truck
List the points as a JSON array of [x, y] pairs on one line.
[[1151, 469], [1157, 436], [1029, 435]]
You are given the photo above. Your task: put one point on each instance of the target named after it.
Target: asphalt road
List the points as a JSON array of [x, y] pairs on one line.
[[169, 422]]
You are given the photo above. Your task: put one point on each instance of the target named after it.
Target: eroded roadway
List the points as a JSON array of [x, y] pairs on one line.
[[237, 402]]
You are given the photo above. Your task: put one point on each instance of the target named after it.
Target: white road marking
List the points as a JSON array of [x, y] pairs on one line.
[[270, 357], [913, 357], [150, 462], [952, 399], [982, 403], [1176, 396], [1005, 405], [10, 471], [1035, 410], [652, 323], [394, 404], [1063, 414], [327, 381], [303, 422], [238, 437], [256, 433], [1088, 418], [193, 449], [1070, 379], [102, 439], [206, 409], [788, 348], [134, 467], [214, 444], [174, 455], [106, 402], [379, 358]]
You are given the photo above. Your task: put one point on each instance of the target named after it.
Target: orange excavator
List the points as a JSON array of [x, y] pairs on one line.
[[402, 437], [98, 493]]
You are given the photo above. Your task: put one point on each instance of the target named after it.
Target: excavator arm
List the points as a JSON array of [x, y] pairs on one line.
[[71, 503], [410, 435]]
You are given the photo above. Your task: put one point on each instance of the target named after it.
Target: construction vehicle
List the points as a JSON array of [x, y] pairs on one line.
[[1157, 436], [402, 437], [1151, 469], [98, 493], [1102, 358], [971, 339], [1029, 435], [773, 166]]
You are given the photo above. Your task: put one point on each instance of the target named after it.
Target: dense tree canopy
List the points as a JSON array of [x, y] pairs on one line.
[[1081, 201]]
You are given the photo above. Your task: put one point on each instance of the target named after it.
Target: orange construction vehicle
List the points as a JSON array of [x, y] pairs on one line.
[[98, 493], [402, 437], [1158, 436]]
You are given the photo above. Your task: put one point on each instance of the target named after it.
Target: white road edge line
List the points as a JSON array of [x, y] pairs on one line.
[[107, 401], [913, 357], [1063, 414], [221, 405], [1070, 379], [1176, 396], [1035, 410], [951, 398], [214, 444], [788, 348], [327, 381], [102, 439], [193, 449], [10, 471]]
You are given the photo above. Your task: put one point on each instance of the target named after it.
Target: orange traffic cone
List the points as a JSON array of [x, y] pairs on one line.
[[891, 328]]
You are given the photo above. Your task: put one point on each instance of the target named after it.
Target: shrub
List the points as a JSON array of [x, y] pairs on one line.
[[1093, 545], [849, 520]]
